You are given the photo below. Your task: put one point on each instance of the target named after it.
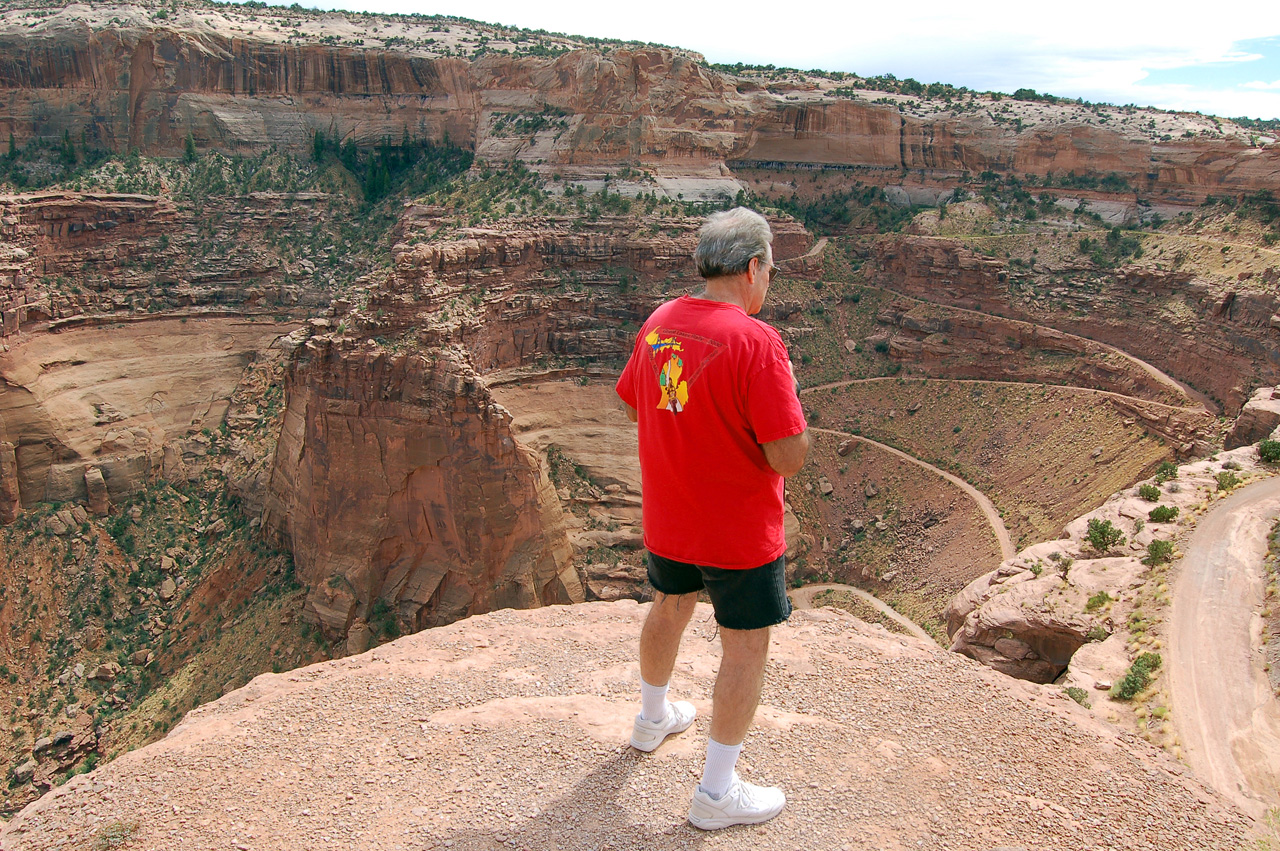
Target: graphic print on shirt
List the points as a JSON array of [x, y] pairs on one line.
[[672, 353]]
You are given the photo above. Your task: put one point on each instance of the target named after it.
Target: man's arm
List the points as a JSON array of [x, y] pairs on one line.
[[786, 456], [632, 413]]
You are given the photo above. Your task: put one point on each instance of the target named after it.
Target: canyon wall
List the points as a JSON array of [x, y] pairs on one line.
[[1222, 342], [238, 86], [397, 479]]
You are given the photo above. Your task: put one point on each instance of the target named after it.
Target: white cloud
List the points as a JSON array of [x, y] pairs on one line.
[[1100, 49], [1258, 84]]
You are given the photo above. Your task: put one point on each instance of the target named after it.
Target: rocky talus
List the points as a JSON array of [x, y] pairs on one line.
[[508, 730]]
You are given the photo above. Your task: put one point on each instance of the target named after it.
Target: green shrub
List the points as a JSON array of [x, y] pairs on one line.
[[1138, 677], [1269, 451], [1097, 601], [1162, 513], [1227, 480], [1166, 471], [1103, 536], [1079, 695], [1150, 493], [1158, 552], [1097, 633]]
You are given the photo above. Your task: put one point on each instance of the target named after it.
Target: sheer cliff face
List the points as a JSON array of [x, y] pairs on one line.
[[397, 480], [147, 84], [148, 88]]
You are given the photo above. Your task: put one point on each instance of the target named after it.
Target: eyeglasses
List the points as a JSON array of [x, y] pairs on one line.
[[773, 270]]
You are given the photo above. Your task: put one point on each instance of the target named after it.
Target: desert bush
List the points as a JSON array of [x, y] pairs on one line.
[[1103, 536], [1166, 471], [1162, 513], [1079, 695], [1150, 493], [1097, 633], [1269, 451], [1158, 552], [1227, 480], [1138, 676], [1097, 601]]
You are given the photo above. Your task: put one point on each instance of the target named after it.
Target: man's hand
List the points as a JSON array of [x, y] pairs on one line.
[[786, 456], [632, 413]]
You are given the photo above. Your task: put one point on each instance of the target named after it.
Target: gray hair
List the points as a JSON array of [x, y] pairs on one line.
[[727, 241]]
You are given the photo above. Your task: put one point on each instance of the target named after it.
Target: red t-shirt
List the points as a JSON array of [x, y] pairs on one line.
[[711, 384]]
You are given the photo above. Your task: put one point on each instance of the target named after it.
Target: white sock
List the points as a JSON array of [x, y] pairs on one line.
[[653, 701], [717, 774]]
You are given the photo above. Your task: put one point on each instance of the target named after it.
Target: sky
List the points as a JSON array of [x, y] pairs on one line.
[[1220, 60]]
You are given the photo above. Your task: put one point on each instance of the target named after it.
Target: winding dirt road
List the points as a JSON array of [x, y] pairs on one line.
[[803, 599], [1007, 550], [1225, 713]]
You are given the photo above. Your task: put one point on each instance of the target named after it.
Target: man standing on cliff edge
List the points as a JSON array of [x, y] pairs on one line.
[[720, 427]]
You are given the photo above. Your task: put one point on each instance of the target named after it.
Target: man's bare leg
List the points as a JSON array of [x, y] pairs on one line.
[[660, 638], [738, 684], [659, 644]]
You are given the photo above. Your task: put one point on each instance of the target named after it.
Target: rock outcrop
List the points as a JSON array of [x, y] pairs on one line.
[[118, 401], [397, 480], [447, 728], [1259, 417], [10, 495], [1029, 617]]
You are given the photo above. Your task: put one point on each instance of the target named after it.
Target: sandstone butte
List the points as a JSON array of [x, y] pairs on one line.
[[508, 730]]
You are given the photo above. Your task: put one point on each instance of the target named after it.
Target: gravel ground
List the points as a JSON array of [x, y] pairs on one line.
[[507, 731]]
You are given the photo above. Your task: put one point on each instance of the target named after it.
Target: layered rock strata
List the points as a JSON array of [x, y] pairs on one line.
[[236, 81], [397, 480], [1228, 346]]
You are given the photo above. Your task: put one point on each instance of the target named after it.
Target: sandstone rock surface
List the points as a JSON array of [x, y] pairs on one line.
[[509, 729], [1259, 417]]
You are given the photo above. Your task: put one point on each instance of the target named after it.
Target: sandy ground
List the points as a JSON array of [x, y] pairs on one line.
[[1225, 713], [507, 731]]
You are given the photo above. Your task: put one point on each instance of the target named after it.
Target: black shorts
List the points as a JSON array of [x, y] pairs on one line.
[[742, 599]]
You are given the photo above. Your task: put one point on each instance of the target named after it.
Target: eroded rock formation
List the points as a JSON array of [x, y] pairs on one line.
[[235, 81], [397, 479], [1221, 342]]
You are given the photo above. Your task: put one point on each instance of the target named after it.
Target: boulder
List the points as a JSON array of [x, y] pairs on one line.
[[168, 588], [1259, 417], [106, 672], [359, 637]]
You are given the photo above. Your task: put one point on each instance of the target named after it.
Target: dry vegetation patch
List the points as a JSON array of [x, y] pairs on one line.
[[1043, 454]]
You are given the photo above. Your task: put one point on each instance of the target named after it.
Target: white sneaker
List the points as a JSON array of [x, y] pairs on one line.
[[744, 803], [647, 735]]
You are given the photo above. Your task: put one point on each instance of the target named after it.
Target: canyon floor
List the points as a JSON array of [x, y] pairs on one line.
[[508, 730]]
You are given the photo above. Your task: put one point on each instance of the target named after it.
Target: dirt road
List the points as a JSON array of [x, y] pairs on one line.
[[1007, 550], [1226, 716], [803, 599]]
